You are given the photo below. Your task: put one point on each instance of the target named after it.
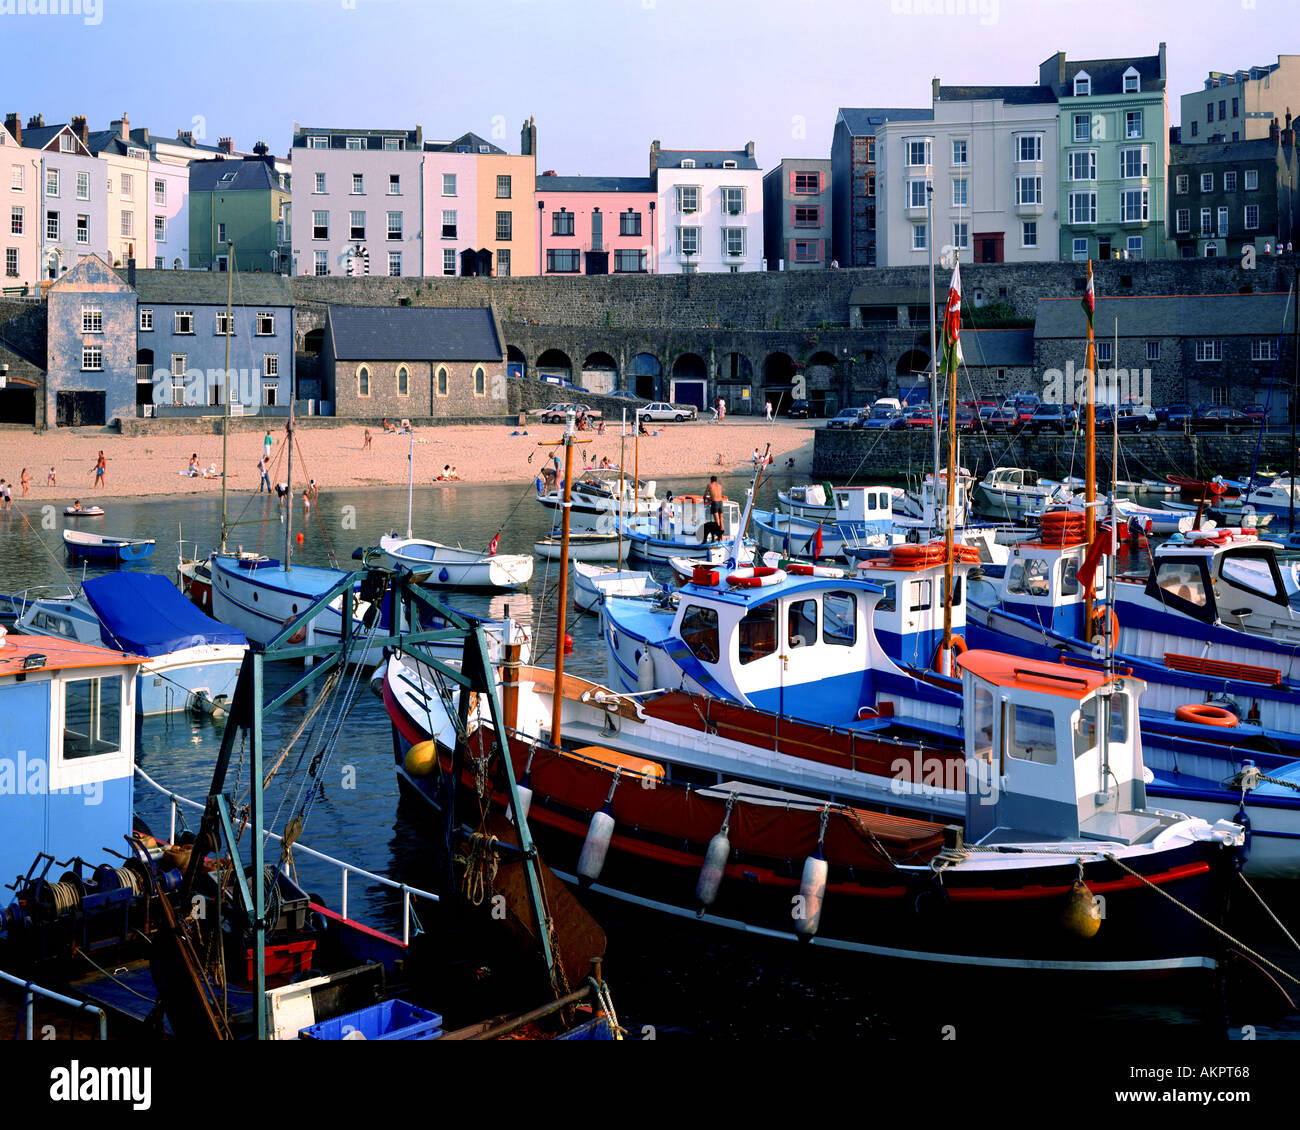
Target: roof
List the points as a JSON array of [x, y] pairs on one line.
[[1012, 95], [253, 175], [466, 143], [1186, 315], [39, 137], [59, 654], [705, 158], [1035, 675], [209, 288], [371, 138], [997, 347], [1224, 152], [413, 333], [595, 184], [1108, 75], [865, 122]]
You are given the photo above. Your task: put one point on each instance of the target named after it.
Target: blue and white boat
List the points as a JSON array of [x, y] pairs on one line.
[[678, 530], [103, 547], [189, 660], [863, 516]]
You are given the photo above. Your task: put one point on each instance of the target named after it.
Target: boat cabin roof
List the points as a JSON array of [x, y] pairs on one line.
[[1033, 675], [59, 654], [745, 597]]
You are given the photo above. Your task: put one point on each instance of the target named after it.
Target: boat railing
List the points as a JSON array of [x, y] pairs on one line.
[[20, 600], [33, 990], [175, 801]]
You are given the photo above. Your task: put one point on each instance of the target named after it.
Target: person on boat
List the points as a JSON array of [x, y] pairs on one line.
[[25, 479], [665, 520], [101, 465], [713, 492], [540, 483], [263, 469], [77, 505]]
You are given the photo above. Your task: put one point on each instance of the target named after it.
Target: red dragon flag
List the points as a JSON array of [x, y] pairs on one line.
[[952, 324], [1089, 298], [492, 545]]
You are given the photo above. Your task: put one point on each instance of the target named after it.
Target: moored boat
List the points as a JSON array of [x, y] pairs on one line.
[[102, 547]]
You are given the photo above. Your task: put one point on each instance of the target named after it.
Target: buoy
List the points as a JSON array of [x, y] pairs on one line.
[[300, 539], [812, 889], [1081, 916], [645, 671], [715, 866], [299, 636], [595, 847], [568, 644], [420, 759], [1205, 713]]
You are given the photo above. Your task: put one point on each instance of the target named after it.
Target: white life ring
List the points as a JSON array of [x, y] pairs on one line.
[[749, 577], [797, 569]]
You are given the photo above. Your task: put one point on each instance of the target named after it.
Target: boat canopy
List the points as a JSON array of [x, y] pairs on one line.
[[146, 614]]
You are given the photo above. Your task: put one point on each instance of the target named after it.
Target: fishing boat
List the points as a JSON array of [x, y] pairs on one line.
[[1011, 493], [593, 583], [599, 496], [584, 545], [83, 511], [102, 547], [190, 662], [862, 516], [679, 530], [808, 500]]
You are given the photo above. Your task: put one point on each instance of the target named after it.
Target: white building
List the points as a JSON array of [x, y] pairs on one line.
[[710, 210], [991, 155]]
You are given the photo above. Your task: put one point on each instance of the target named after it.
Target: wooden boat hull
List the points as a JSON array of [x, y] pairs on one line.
[[583, 546], [99, 547], [445, 566]]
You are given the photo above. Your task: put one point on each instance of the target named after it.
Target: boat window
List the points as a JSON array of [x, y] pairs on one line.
[[92, 717], [700, 632], [1032, 736], [54, 625], [1251, 573], [1029, 577], [888, 602], [802, 619], [983, 722], [758, 633], [840, 617], [1070, 576], [956, 590], [1183, 580], [918, 596], [1085, 726]]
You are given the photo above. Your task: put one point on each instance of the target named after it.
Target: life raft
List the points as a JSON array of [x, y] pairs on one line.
[[1063, 526], [761, 577], [1206, 713]]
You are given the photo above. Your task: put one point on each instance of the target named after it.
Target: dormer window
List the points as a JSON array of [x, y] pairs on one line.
[[1132, 81], [1082, 85], [316, 141], [355, 143], [393, 143], [728, 164], [66, 143], [688, 163]]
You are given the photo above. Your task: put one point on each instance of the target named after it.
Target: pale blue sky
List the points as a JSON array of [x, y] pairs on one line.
[[602, 77]]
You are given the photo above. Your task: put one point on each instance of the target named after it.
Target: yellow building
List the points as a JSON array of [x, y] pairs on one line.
[[507, 220]]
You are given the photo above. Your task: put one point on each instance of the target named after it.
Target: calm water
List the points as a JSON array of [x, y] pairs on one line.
[[674, 978]]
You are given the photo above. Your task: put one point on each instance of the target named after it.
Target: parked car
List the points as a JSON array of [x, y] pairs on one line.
[[967, 420], [922, 417], [1132, 418], [1026, 404], [1255, 412], [550, 410], [623, 394], [660, 411], [1005, 419], [559, 413], [800, 409], [1049, 418], [1175, 416], [1222, 420], [884, 417], [848, 418]]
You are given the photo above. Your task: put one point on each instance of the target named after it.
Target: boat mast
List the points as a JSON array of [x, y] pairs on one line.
[[934, 361], [288, 498], [225, 426], [1295, 382], [410, 481], [622, 443], [949, 516], [1090, 453], [567, 441]]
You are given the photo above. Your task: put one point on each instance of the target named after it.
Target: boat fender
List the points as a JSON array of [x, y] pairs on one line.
[[715, 866], [1243, 818], [645, 671], [443, 574], [420, 759], [595, 847], [812, 892], [299, 635], [525, 794], [1082, 914]]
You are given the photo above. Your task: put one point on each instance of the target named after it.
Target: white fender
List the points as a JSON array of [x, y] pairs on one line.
[[645, 671], [595, 847], [812, 890], [715, 864]]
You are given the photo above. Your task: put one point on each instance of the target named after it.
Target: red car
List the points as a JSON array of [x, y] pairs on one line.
[[1254, 412], [920, 418]]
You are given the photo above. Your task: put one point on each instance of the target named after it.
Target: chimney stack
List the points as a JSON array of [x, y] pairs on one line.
[[749, 149], [226, 145], [261, 149], [934, 88], [528, 139], [13, 123], [185, 136], [1273, 130], [80, 129], [654, 159], [36, 121], [122, 127], [130, 272]]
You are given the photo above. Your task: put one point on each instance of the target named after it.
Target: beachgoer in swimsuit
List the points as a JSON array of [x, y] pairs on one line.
[[101, 465]]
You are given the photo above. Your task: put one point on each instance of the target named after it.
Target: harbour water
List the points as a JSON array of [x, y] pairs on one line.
[[670, 979]]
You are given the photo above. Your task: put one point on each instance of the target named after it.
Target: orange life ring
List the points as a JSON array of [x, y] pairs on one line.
[[957, 646], [1098, 615], [1206, 713], [299, 636]]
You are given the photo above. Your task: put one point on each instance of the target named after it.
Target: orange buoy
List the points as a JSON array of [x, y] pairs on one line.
[[300, 539], [1206, 713], [568, 644]]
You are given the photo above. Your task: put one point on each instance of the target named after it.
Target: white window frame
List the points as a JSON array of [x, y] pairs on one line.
[[690, 234], [1091, 166], [356, 230], [1251, 183], [1091, 207], [320, 225], [128, 224], [394, 184], [17, 219], [920, 238], [1082, 87], [1153, 351], [270, 364], [1037, 190], [320, 182], [1183, 221], [358, 185], [1221, 227], [1036, 149], [449, 260], [1251, 223], [1134, 125], [1180, 184], [1230, 181], [1084, 120], [1132, 81], [685, 192], [449, 184], [1135, 246], [730, 193], [1207, 221], [83, 185], [1207, 182], [317, 141], [160, 192], [1134, 200], [1028, 228], [963, 160], [395, 264], [733, 241], [961, 235], [160, 229], [355, 144], [1209, 349], [917, 196], [1143, 158], [1079, 248], [1263, 349], [146, 319], [83, 230], [960, 199], [185, 319], [910, 152], [321, 264], [92, 358], [394, 231], [265, 323], [92, 319]]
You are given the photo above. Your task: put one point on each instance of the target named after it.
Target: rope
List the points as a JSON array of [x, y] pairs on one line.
[[1204, 921], [1269, 910], [481, 863], [607, 1007]]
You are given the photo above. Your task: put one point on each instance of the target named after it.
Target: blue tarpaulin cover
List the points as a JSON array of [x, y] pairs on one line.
[[145, 614]]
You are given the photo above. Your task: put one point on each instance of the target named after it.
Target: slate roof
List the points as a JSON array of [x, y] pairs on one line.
[[208, 288], [865, 122], [413, 333], [595, 184], [41, 136], [372, 139], [1223, 152], [1187, 315], [997, 347], [471, 140], [705, 158], [247, 176], [1108, 75], [1011, 95]]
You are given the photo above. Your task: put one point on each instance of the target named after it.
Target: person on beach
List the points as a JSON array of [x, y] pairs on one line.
[[789, 463], [26, 480], [312, 490], [266, 446], [768, 408], [755, 458], [306, 499], [265, 481], [193, 468], [49, 479], [366, 446], [5, 500], [101, 465]]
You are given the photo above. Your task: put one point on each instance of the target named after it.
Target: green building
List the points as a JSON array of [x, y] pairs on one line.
[[1114, 138], [244, 201]]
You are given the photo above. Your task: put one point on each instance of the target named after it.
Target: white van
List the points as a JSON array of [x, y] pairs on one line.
[[889, 402]]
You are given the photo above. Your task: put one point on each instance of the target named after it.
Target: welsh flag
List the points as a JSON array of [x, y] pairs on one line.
[[952, 324], [1089, 297], [492, 545]]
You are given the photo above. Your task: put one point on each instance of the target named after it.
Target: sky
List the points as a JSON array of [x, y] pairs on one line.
[[602, 78]]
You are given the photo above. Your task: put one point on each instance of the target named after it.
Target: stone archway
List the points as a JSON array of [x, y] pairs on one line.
[[779, 374], [645, 376], [822, 381], [516, 362], [690, 380], [554, 365], [734, 381], [600, 373]]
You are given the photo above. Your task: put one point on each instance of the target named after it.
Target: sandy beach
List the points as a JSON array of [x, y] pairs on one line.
[[335, 457]]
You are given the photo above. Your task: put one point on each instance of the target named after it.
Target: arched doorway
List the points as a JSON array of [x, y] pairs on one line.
[[644, 375], [690, 380], [734, 382], [554, 366], [516, 362], [822, 378], [600, 373], [778, 382]]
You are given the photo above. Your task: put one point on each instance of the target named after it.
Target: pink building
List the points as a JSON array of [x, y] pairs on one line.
[[596, 225]]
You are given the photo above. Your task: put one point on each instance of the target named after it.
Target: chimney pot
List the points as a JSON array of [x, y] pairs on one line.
[[226, 145], [36, 121]]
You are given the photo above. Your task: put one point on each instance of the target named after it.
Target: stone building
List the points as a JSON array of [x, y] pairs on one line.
[[1243, 104], [413, 361], [91, 346]]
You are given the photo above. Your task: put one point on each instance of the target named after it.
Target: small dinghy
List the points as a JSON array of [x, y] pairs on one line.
[[102, 547], [450, 566], [592, 583], [83, 511], [584, 545]]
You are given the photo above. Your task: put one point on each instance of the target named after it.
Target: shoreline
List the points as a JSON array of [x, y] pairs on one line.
[[150, 466]]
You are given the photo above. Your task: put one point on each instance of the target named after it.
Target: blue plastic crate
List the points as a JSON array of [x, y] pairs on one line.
[[390, 1020]]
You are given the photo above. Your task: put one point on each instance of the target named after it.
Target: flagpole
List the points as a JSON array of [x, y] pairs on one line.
[[952, 356], [1090, 449]]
